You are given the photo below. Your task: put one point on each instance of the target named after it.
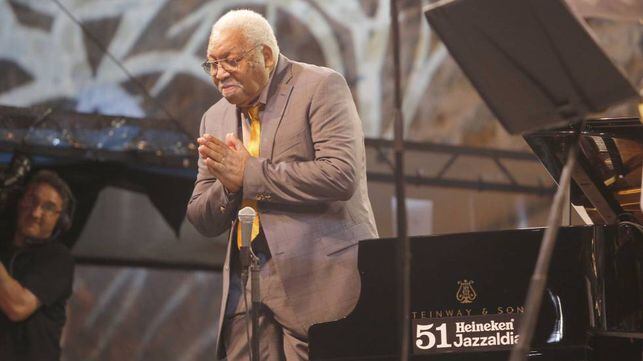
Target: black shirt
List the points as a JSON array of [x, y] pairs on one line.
[[47, 271]]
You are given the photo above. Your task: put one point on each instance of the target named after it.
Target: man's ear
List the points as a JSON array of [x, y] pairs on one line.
[[268, 57]]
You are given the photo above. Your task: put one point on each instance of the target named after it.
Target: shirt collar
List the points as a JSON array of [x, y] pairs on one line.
[[263, 96]]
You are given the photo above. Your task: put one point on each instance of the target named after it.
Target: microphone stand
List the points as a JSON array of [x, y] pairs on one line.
[[250, 265], [538, 279], [255, 297], [403, 247]]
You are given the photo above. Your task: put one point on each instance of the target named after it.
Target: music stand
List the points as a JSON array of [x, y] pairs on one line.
[[536, 65]]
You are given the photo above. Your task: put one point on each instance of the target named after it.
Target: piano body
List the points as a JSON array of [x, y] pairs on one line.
[[468, 290]]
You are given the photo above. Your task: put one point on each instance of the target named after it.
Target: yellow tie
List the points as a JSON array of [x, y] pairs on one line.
[[253, 149]]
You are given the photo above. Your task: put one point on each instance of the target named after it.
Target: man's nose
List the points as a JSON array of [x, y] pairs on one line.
[[221, 73], [36, 211]]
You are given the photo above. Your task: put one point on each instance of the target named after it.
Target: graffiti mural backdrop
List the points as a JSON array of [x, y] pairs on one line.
[[141, 58]]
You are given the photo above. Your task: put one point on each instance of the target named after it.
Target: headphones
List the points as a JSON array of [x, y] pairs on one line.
[[65, 220]]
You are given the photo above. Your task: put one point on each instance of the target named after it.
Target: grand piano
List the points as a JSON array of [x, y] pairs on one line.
[[468, 290]]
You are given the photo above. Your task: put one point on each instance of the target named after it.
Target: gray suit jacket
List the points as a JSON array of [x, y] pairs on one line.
[[310, 184]]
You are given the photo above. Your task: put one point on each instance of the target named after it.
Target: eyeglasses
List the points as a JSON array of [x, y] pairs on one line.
[[31, 202], [229, 64]]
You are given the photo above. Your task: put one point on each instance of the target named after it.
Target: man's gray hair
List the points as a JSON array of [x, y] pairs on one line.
[[254, 27]]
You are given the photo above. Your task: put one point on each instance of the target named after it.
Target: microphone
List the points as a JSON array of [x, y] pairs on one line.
[[246, 217], [10, 181], [18, 169]]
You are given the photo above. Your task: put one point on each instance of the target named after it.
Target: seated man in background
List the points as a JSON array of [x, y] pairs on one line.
[[36, 272]]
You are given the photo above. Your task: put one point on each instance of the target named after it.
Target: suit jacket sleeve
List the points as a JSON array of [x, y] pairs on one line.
[[337, 140], [211, 207]]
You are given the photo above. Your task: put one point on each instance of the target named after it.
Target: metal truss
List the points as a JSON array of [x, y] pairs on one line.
[[456, 154]]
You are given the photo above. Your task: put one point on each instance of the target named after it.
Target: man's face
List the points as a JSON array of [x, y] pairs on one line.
[[240, 86], [38, 211]]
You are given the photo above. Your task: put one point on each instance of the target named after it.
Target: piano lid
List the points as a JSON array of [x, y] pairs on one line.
[[607, 178]]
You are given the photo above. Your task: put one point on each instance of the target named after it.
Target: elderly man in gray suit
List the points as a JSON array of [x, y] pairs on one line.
[[286, 140]]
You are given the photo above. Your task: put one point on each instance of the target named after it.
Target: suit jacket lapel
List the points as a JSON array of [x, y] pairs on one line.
[[278, 97]]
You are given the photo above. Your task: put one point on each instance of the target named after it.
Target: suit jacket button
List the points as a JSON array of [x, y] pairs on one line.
[[222, 209]]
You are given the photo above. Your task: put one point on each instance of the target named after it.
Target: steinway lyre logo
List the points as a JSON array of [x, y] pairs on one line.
[[466, 293]]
